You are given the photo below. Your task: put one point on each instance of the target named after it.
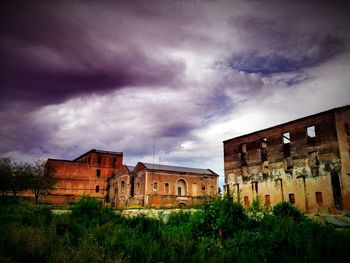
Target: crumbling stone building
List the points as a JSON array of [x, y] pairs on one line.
[[161, 185], [305, 162], [85, 175]]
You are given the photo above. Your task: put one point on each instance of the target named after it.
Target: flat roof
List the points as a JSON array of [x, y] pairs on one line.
[[98, 151], [289, 122]]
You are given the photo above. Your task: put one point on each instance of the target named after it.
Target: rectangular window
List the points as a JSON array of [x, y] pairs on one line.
[[99, 160], [98, 172], [155, 186], [311, 132], [244, 154], [319, 199], [114, 162], [292, 198], [267, 200], [97, 189], [263, 148], [166, 188], [347, 129], [286, 137], [246, 200]]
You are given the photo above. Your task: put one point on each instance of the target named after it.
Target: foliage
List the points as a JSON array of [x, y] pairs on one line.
[[16, 177], [286, 209], [93, 233]]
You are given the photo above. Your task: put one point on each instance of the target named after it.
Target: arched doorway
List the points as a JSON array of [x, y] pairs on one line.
[[181, 187]]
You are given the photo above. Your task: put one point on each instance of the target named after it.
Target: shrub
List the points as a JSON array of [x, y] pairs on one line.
[[286, 209]]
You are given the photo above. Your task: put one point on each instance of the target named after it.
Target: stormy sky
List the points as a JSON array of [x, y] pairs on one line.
[[179, 75]]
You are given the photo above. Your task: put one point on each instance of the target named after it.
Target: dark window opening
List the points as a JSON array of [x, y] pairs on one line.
[[267, 200], [319, 199], [263, 150], [97, 189], [203, 187], [122, 184], [314, 163], [166, 188], [244, 154], [99, 160], [347, 128], [98, 172], [114, 161], [292, 198], [256, 187]]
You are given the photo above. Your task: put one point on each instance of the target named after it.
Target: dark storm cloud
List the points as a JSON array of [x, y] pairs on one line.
[[323, 50], [47, 57]]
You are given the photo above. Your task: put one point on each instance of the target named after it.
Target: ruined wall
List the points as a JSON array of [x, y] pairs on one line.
[[342, 119], [302, 168]]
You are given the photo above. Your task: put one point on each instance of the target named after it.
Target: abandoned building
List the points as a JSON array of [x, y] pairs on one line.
[[85, 175], [161, 185], [305, 162]]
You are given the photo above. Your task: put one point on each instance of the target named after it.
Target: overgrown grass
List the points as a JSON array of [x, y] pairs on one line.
[[220, 231]]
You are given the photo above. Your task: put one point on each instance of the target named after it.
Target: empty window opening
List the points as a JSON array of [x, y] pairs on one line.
[[311, 132], [114, 161], [292, 198], [99, 160], [347, 128], [98, 172], [166, 187], [97, 189], [181, 188], [314, 163], [155, 186], [319, 199], [263, 149], [244, 154], [122, 185], [246, 200], [267, 200], [256, 187], [203, 187], [286, 137]]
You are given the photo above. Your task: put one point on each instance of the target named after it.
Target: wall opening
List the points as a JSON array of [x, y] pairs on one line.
[[319, 199], [97, 188], [263, 149], [99, 160], [337, 196], [166, 188], [98, 172], [244, 154], [181, 187], [292, 198], [155, 186]]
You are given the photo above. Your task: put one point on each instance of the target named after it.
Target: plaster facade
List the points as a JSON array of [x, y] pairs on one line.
[[305, 162]]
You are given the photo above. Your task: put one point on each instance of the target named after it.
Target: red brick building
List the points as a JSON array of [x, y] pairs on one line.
[[85, 175], [162, 185], [305, 162]]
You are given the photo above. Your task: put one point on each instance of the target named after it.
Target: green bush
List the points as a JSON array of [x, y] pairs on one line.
[[286, 209]]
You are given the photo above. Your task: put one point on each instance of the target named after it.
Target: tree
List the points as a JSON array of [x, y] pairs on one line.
[[5, 174], [19, 179], [41, 180]]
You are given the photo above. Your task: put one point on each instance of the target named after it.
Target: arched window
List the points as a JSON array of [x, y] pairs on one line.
[[181, 187]]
